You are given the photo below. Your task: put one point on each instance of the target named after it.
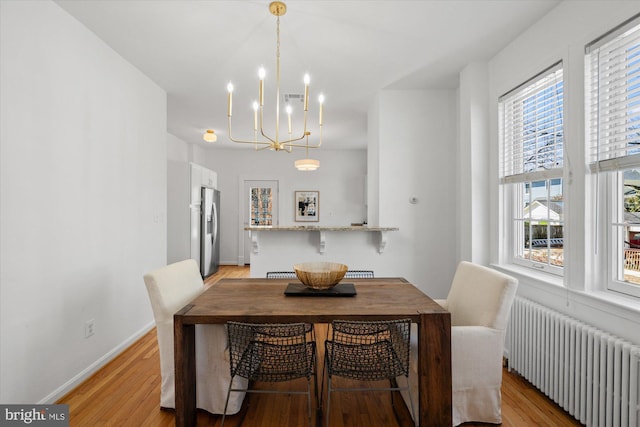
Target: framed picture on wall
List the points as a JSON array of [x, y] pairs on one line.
[[307, 206]]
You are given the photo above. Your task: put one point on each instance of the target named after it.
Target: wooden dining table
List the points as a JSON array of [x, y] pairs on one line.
[[264, 301]]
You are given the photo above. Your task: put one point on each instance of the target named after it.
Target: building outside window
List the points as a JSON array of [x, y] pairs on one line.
[[612, 87], [532, 159]]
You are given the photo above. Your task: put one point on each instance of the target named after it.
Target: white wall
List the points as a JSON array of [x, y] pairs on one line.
[[417, 152], [373, 164], [178, 199], [473, 158], [562, 35], [82, 200], [415, 139], [340, 180], [416, 156], [414, 136]]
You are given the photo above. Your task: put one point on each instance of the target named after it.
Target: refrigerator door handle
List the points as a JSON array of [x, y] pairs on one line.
[[214, 233]]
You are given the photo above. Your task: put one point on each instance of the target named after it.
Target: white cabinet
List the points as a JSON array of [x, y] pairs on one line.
[[201, 177]]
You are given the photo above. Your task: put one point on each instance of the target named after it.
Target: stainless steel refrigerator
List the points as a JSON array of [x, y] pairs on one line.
[[209, 231]]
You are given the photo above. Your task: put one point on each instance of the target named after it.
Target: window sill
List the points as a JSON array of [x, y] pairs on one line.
[[616, 300], [549, 290], [529, 275]]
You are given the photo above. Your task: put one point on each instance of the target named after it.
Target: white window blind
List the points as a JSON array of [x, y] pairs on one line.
[[532, 128], [613, 98]]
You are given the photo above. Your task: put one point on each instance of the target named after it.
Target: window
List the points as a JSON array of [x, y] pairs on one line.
[[532, 142], [612, 90], [261, 206]]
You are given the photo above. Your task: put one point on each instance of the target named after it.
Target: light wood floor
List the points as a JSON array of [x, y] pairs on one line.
[[126, 392]]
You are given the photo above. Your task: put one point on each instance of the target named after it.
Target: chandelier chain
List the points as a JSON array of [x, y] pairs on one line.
[[278, 38], [278, 82]]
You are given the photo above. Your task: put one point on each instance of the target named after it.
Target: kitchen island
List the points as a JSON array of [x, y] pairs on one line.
[[322, 232], [279, 248]]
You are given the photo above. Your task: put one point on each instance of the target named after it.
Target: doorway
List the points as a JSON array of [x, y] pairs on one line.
[[260, 208]]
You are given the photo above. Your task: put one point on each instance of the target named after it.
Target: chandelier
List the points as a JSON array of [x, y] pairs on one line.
[[277, 142]]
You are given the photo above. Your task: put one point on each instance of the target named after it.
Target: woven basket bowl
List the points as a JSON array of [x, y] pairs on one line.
[[320, 275]]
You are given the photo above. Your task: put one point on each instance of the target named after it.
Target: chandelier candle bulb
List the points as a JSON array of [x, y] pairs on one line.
[[230, 100], [261, 74], [289, 117], [306, 92], [321, 101], [255, 116]]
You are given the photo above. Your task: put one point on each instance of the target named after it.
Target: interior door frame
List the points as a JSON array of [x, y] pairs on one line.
[[243, 214]]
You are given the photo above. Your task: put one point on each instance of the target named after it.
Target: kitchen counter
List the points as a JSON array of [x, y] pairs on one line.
[[322, 230]]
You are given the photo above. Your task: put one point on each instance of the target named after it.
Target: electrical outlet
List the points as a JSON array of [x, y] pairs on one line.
[[89, 328]]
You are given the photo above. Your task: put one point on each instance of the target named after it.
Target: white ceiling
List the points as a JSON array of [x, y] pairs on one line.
[[351, 49]]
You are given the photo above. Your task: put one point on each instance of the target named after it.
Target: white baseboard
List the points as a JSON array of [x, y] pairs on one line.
[[94, 367]]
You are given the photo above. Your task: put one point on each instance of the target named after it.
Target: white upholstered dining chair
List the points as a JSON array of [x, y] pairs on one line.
[[170, 288], [479, 301]]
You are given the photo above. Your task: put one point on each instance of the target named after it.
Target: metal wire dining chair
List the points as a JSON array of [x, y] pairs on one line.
[[281, 274], [273, 353], [350, 274], [367, 351], [359, 274]]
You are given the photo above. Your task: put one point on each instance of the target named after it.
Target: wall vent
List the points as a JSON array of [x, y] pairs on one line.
[[293, 97]]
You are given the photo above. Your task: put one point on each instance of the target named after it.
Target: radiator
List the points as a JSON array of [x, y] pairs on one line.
[[590, 373]]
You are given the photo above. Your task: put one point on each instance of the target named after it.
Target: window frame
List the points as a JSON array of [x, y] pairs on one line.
[[514, 197], [612, 205], [513, 177], [607, 161]]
